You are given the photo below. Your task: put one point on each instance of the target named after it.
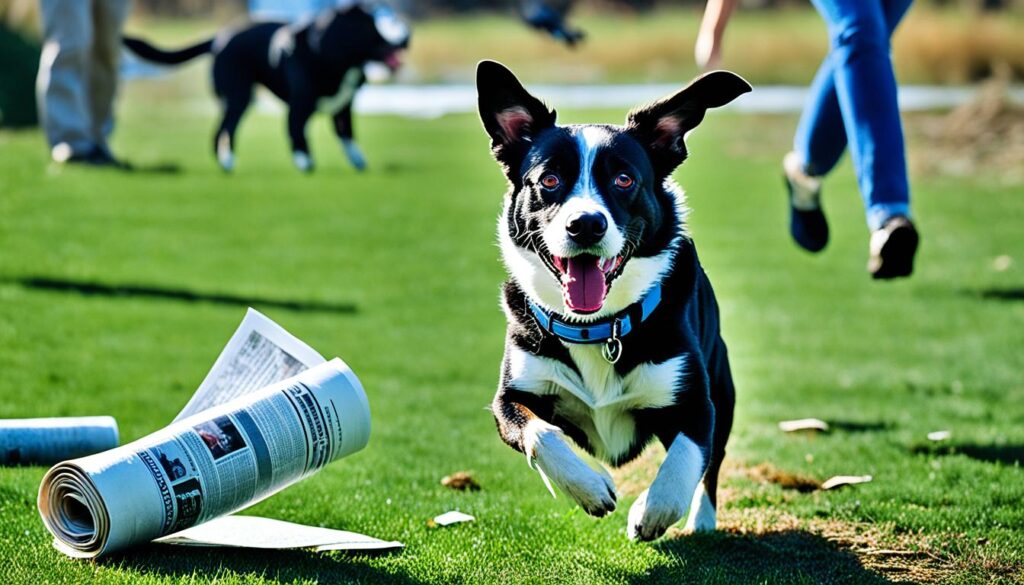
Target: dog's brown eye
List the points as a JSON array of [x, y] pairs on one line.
[[623, 181], [549, 181]]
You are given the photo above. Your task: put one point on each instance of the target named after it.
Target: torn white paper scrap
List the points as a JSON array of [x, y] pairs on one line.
[[45, 441], [453, 517], [267, 533], [939, 435], [803, 424], [841, 480], [259, 353]]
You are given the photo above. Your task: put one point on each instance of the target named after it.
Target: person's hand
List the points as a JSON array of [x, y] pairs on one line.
[[708, 49]]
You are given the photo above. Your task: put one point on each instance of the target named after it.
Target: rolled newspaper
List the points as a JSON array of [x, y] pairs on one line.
[[207, 465], [45, 441]]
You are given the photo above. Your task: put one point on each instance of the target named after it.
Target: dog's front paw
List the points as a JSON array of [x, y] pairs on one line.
[[354, 154], [594, 492], [225, 156], [652, 514], [302, 161]]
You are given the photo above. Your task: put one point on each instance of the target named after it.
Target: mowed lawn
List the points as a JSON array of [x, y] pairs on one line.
[[118, 290]]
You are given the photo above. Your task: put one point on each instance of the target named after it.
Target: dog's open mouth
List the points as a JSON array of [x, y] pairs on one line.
[[585, 280], [393, 60]]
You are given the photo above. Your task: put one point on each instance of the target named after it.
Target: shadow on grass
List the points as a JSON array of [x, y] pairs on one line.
[[1005, 454], [859, 427], [785, 556], [86, 288], [285, 566], [159, 168], [1000, 294]]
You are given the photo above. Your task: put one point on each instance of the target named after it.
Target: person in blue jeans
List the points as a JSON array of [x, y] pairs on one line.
[[852, 104]]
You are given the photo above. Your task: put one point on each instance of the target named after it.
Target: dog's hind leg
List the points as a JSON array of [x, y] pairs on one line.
[[235, 104]]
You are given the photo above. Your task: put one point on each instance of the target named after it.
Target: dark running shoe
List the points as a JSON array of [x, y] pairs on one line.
[[892, 249], [102, 157], [807, 222]]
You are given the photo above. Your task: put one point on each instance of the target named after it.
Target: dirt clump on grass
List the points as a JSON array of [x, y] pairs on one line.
[[768, 473], [461, 481]]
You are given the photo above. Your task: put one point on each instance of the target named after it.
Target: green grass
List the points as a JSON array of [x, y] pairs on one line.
[[411, 245]]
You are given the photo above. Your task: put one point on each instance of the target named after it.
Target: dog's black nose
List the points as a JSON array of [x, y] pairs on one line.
[[586, 228]]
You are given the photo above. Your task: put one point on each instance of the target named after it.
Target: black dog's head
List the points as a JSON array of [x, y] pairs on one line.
[[362, 32], [592, 218]]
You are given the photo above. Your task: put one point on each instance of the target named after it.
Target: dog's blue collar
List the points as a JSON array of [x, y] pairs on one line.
[[608, 331]]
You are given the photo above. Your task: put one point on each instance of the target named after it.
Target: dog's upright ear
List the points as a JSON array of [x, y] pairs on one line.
[[661, 127], [511, 116]]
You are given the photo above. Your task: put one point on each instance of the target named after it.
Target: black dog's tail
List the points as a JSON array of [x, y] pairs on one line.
[[150, 53]]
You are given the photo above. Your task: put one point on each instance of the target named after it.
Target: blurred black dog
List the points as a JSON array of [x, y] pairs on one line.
[[312, 65], [549, 16]]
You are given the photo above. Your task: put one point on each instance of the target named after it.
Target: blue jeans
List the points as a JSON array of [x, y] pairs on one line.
[[853, 100]]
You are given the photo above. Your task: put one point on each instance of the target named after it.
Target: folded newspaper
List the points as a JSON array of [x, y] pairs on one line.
[[270, 412], [45, 441]]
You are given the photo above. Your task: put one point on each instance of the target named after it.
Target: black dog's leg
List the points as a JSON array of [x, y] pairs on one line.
[[298, 115], [547, 451], [687, 435], [301, 105], [343, 128], [235, 104]]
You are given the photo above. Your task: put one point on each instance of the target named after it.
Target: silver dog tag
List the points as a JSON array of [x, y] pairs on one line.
[[612, 349]]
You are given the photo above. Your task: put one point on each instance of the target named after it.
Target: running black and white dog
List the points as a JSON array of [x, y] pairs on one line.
[[613, 333], [314, 65]]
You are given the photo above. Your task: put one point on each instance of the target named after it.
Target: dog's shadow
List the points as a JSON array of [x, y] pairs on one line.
[[1010, 294], [784, 556], [156, 168], [284, 566], [848, 426], [775, 557], [1012, 454]]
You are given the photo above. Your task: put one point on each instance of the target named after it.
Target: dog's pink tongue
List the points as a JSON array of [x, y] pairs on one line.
[[584, 285]]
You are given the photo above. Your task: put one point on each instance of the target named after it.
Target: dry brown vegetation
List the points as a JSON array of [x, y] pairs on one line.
[[985, 135], [784, 46], [958, 47]]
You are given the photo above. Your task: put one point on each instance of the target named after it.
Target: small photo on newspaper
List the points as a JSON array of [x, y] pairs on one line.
[[271, 412]]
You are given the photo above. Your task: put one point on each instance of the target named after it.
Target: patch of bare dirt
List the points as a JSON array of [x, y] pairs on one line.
[[878, 547], [897, 557]]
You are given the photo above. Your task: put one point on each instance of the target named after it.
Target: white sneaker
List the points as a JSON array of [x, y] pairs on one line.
[[805, 190]]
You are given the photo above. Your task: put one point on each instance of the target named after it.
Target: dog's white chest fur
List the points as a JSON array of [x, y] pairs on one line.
[[597, 399]]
